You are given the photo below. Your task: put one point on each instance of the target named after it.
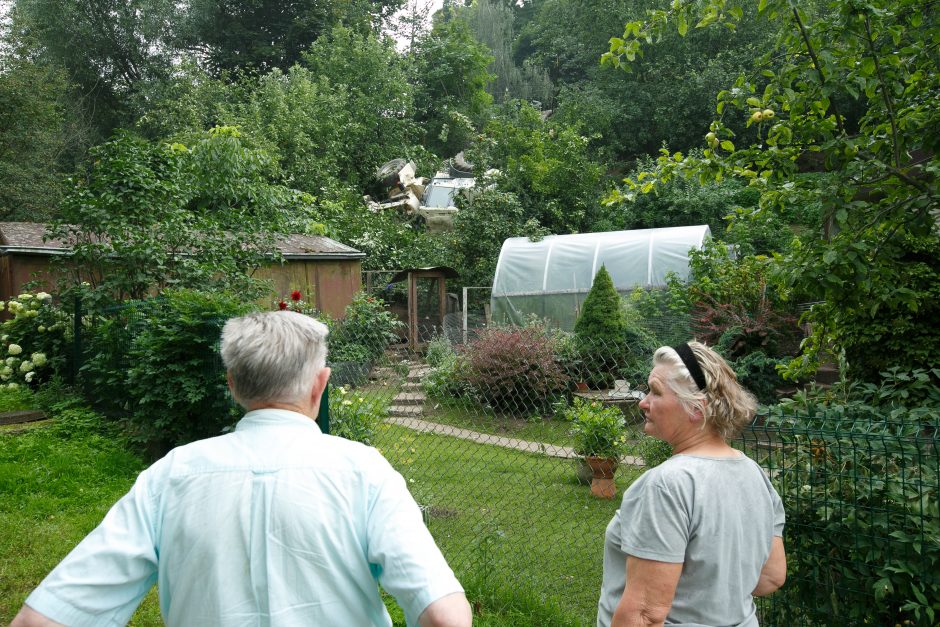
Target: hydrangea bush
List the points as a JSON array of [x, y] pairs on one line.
[[33, 341]]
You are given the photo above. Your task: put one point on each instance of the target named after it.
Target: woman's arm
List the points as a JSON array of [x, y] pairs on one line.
[[774, 572], [648, 595]]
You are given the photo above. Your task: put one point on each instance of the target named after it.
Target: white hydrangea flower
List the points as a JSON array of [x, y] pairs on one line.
[[38, 359], [42, 328], [4, 376], [12, 362], [26, 366], [44, 296], [29, 377], [7, 370], [24, 296], [15, 306], [31, 313], [3, 305], [12, 386], [15, 349]]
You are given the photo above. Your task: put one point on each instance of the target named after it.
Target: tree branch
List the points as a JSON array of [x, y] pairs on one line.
[[816, 64], [889, 103]]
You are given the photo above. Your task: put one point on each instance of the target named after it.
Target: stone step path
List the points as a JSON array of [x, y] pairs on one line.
[[409, 402], [407, 407], [551, 450]]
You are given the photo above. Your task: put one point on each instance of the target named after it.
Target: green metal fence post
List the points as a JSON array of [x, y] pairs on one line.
[[323, 417], [76, 340]]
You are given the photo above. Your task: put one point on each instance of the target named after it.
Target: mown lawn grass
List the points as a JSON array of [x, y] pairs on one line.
[[520, 532], [53, 491], [507, 518]]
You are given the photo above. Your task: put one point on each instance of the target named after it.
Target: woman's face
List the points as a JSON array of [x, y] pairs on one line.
[[666, 419]]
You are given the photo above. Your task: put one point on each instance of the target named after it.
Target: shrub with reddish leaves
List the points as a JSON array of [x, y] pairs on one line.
[[514, 369], [740, 332]]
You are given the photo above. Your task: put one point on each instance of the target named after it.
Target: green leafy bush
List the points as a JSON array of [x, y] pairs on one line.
[[355, 417], [862, 519], [444, 380], [514, 369], [160, 365], [367, 329], [15, 399], [758, 373], [662, 312], [903, 398], [652, 451], [858, 476], [598, 430]]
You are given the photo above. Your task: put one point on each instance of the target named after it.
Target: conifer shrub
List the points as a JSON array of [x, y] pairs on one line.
[[601, 334]]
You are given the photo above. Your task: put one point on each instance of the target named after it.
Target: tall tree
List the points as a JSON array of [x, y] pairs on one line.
[[150, 215], [666, 98], [546, 165], [876, 268], [265, 34], [492, 23], [42, 130], [107, 47], [451, 76]]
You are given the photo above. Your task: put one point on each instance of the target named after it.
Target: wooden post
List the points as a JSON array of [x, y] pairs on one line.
[[413, 311]]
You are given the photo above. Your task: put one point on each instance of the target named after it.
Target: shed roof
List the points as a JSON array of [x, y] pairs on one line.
[[27, 237]]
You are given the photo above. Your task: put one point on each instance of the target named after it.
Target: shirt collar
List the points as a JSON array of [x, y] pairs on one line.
[[275, 417]]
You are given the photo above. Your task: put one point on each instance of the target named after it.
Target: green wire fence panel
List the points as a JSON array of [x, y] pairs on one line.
[[489, 429]]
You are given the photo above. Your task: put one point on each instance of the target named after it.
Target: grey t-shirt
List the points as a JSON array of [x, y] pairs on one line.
[[716, 516]]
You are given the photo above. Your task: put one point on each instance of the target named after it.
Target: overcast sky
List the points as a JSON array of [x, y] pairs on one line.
[[431, 6]]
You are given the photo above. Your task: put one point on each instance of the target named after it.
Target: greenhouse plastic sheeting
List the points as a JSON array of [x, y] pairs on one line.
[[551, 278]]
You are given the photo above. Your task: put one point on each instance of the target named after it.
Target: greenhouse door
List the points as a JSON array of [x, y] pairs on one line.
[[427, 302]]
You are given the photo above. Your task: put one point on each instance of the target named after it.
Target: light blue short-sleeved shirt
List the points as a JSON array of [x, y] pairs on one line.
[[273, 524], [717, 516]]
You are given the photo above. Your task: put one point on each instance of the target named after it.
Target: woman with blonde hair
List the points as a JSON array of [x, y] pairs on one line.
[[697, 537]]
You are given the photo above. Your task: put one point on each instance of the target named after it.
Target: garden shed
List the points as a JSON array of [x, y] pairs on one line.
[[327, 272], [550, 278]]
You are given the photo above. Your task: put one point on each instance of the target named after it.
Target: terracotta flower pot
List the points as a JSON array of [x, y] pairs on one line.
[[602, 485]]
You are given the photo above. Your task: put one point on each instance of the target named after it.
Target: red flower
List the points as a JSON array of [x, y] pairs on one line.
[[282, 305], [295, 295]]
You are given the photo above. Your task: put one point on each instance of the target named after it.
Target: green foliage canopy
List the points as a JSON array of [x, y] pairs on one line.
[[875, 266], [149, 216]]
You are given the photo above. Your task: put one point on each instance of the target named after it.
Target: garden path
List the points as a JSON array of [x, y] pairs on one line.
[[552, 450], [409, 403]]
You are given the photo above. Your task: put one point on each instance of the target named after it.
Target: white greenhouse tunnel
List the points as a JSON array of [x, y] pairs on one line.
[[551, 278]]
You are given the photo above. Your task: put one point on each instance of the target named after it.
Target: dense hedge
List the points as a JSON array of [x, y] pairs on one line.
[[156, 363]]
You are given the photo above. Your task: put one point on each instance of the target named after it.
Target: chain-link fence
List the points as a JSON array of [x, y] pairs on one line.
[[482, 431], [490, 433]]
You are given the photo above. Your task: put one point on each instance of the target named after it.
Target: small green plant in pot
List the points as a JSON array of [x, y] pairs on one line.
[[600, 437]]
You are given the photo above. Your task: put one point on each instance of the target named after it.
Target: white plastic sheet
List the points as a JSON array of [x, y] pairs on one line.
[[550, 278]]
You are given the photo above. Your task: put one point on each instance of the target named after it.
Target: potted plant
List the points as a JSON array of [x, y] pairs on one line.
[[600, 438]]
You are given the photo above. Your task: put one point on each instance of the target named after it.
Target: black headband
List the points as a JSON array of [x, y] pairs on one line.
[[688, 358]]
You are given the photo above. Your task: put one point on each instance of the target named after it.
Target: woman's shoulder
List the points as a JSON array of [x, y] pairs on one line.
[[677, 469]]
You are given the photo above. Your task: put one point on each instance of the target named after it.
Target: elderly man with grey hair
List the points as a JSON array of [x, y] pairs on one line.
[[272, 524]]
